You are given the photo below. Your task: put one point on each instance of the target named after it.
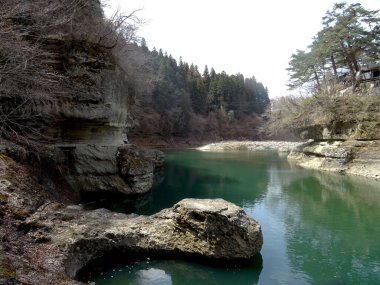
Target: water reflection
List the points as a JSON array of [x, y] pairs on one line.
[[178, 272], [318, 228], [153, 276], [191, 174], [331, 224]]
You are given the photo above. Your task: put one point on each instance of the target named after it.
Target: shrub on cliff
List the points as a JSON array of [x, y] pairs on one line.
[[34, 36]]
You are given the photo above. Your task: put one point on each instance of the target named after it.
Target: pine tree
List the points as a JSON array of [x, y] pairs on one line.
[[206, 78], [143, 45], [350, 38]]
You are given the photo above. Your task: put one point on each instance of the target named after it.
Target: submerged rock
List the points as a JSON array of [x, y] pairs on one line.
[[208, 230]]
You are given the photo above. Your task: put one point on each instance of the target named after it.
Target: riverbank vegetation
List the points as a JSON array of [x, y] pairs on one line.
[[348, 41], [331, 72], [40, 43], [166, 98]]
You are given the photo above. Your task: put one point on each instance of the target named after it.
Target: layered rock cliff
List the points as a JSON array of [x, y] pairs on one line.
[[346, 157], [348, 148], [77, 134]]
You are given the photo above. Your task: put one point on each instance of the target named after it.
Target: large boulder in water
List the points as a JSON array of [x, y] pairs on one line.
[[213, 228], [203, 230]]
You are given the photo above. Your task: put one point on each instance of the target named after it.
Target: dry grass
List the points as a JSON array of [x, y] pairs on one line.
[[329, 107]]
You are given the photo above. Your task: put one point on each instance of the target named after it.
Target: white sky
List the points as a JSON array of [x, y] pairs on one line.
[[255, 38]]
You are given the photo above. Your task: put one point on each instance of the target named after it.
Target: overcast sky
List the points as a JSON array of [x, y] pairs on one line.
[[255, 38]]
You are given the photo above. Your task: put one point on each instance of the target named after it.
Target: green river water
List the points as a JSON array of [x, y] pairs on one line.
[[318, 228]]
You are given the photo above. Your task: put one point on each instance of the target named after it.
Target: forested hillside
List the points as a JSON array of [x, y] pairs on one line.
[[176, 99], [42, 40]]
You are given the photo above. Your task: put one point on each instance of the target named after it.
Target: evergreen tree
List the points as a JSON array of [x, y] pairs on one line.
[[178, 90], [206, 78], [303, 69], [143, 45], [212, 73], [349, 39], [262, 99]]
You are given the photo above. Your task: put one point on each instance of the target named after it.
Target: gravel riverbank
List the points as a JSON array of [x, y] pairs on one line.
[[282, 146]]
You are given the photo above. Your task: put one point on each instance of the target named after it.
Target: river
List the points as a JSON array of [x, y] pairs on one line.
[[318, 228]]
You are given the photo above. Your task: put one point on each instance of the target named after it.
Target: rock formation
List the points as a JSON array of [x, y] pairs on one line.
[[80, 134], [349, 144], [43, 240], [73, 138], [351, 156]]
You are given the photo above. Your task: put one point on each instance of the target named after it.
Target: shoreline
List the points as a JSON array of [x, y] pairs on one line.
[[281, 146], [347, 158]]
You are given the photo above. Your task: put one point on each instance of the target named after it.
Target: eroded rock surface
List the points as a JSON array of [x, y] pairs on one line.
[[98, 168], [202, 229], [79, 136], [343, 130], [208, 229], [351, 157], [43, 240], [136, 166]]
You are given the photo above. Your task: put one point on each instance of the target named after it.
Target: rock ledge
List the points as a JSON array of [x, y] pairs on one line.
[[69, 238], [346, 157]]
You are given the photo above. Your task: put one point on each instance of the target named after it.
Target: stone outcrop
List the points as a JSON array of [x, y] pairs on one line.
[[104, 168], [348, 144], [84, 132], [351, 156], [366, 130], [136, 166], [210, 230], [44, 241]]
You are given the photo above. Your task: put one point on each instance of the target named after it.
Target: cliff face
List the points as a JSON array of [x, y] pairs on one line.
[[85, 130], [345, 134], [343, 130], [78, 132]]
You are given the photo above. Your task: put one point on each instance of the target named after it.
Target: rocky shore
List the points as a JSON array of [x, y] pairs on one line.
[[45, 242], [281, 146], [346, 157], [357, 157]]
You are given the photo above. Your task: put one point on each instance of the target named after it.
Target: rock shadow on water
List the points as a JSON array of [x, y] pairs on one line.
[[116, 202], [117, 268], [181, 181], [173, 183]]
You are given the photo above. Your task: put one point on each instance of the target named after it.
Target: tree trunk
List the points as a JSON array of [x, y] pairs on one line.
[[316, 78], [348, 59], [334, 67], [354, 61]]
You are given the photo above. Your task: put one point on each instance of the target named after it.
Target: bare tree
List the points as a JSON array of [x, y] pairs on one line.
[[28, 76]]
